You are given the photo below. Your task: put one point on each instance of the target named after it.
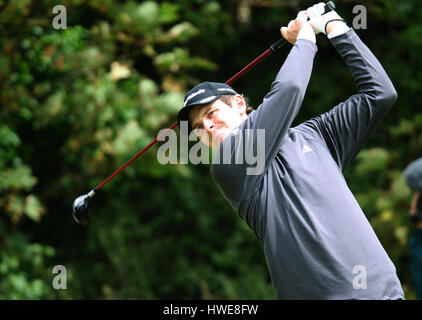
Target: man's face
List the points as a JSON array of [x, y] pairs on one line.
[[217, 119]]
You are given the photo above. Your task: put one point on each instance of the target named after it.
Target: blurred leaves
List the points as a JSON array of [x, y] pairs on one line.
[[16, 179], [23, 272]]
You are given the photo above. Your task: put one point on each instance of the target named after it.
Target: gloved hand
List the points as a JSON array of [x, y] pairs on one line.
[[318, 20]]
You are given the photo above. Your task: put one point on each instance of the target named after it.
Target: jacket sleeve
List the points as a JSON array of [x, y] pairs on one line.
[[264, 129], [349, 125]]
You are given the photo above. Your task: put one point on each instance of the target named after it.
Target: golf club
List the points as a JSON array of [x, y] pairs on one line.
[[82, 204]]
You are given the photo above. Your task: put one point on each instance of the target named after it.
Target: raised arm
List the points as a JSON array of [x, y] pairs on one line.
[[349, 125], [273, 117], [282, 103]]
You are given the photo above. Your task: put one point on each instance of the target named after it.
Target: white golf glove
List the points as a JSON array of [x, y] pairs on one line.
[[319, 20]]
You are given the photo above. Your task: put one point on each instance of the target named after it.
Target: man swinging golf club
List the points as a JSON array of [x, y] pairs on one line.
[[318, 244]]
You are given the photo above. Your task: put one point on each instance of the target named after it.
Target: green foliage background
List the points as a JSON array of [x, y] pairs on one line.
[[76, 104]]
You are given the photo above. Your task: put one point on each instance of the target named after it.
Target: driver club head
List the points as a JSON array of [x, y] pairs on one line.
[[81, 209]]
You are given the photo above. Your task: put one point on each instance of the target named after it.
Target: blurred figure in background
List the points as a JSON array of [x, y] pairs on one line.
[[413, 175]]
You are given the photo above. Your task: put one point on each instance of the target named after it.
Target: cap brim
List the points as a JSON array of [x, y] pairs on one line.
[[183, 114]]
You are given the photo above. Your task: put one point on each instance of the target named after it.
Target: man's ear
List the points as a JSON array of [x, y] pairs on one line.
[[240, 103]]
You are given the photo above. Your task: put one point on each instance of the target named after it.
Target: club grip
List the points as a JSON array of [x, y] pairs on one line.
[[329, 6], [277, 45]]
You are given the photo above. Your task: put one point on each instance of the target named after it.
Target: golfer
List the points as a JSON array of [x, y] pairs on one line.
[[318, 244]]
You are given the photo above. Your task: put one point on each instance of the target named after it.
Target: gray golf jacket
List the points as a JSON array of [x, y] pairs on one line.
[[318, 243]]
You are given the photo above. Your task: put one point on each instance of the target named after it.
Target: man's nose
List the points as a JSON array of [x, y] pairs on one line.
[[207, 124]]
